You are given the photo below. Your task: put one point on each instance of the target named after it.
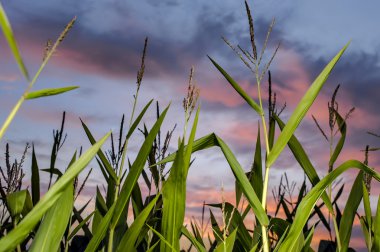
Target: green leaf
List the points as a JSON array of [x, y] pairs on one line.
[[79, 226], [18, 234], [101, 155], [228, 244], [136, 169], [100, 231], [236, 222], [8, 33], [307, 204], [257, 171], [54, 223], [138, 119], [376, 224], [245, 185], [339, 145], [35, 179], [129, 238], [174, 194], [368, 212], [161, 237], [366, 234], [193, 240], [352, 204], [301, 109], [48, 92], [213, 140], [17, 202], [307, 242], [305, 163], [238, 89]]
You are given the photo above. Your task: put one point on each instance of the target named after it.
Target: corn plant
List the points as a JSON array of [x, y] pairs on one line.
[[124, 219]]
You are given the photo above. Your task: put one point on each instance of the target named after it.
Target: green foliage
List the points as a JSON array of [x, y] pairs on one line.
[[126, 218]]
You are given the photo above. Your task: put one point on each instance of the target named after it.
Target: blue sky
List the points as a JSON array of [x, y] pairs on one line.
[[102, 55]]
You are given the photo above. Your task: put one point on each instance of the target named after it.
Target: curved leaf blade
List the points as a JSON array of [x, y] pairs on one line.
[[307, 204], [301, 109], [18, 234], [238, 89]]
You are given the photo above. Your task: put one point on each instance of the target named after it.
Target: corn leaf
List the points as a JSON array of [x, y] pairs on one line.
[[101, 155], [236, 223], [136, 169], [80, 225], [54, 223], [307, 204], [339, 146], [304, 161], [213, 140], [129, 238], [8, 33], [35, 179], [48, 92], [376, 224], [138, 119], [18, 201], [101, 231], [18, 234], [301, 109], [238, 89], [228, 244], [353, 202], [193, 240]]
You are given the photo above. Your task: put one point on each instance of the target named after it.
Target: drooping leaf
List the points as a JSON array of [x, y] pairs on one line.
[[238, 89]]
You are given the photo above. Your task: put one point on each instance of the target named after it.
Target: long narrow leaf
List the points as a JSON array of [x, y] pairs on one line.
[[301, 109], [136, 169], [8, 33], [101, 231], [308, 202], [238, 89], [376, 224], [129, 238], [352, 204], [48, 92], [54, 224], [35, 179], [304, 161], [18, 234]]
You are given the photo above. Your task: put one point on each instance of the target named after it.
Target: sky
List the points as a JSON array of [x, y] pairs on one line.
[[102, 53]]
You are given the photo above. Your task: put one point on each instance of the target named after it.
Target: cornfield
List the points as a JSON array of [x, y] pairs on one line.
[[125, 219]]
